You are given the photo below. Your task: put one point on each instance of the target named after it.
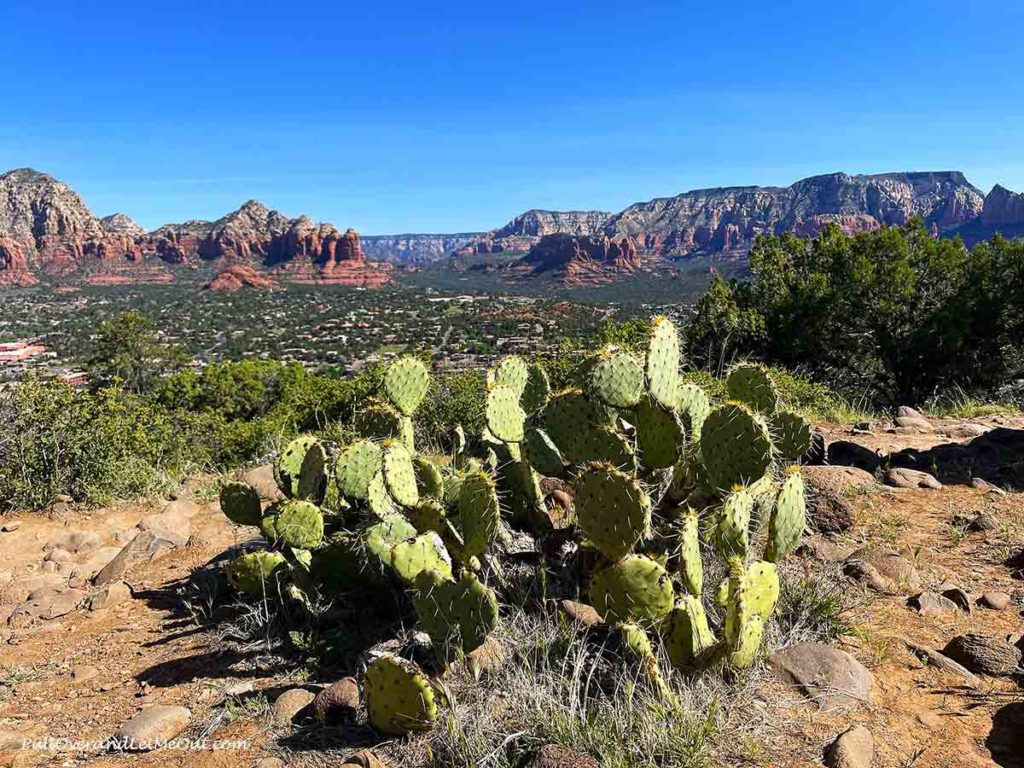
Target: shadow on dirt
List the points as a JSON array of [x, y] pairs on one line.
[[1006, 739], [996, 456]]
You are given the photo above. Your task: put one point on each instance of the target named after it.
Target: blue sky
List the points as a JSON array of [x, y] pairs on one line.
[[453, 116]]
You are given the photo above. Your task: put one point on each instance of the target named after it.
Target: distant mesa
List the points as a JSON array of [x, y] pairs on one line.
[[46, 229]]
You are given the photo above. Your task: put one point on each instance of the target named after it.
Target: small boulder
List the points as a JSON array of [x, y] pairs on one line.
[[585, 614], [959, 596], [845, 481], [108, 595], [985, 655], [892, 565], [982, 522], [854, 748], [996, 601], [84, 674], [901, 477], [828, 512], [290, 703], [984, 485], [337, 703], [364, 758], [152, 728], [913, 424], [932, 604], [145, 546], [831, 677], [489, 657], [906, 412], [866, 574], [75, 542], [262, 479]]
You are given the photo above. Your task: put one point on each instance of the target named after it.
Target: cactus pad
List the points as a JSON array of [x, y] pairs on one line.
[[426, 552], [634, 589], [792, 434], [687, 635], [251, 573], [693, 406], [691, 568], [735, 446], [312, 484], [569, 420], [429, 479], [399, 697], [289, 464], [400, 474], [513, 373], [752, 385], [406, 383], [293, 523], [612, 509], [616, 378], [753, 593], [479, 513], [240, 503], [733, 533], [537, 391], [381, 537], [542, 453], [788, 518], [458, 615], [356, 467], [658, 435], [607, 444], [661, 364], [505, 417]]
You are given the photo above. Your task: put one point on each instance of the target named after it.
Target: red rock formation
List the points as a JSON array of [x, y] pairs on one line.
[[236, 277], [584, 260], [14, 268]]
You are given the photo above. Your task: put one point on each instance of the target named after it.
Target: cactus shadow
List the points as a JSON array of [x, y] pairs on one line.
[[1005, 741]]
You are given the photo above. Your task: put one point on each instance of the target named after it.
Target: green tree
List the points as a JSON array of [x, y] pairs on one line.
[[128, 349]]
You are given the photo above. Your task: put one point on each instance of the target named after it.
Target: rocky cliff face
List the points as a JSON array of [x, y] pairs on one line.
[[585, 259], [1003, 208], [45, 228], [728, 220], [416, 249]]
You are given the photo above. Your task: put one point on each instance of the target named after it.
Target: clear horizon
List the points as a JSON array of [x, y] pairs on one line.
[[402, 119]]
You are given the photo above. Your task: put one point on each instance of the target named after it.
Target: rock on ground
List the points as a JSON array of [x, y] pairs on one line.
[[585, 614], [827, 675], [892, 565], [996, 601], [854, 748], [841, 480], [145, 546], [932, 604], [985, 655], [848, 454], [900, 477], [108, 595], [828, 512], [152, 727], [290, 703], [337, 703], [364, 758]]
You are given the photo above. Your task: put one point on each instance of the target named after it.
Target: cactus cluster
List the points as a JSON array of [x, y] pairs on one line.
[[659, 479]]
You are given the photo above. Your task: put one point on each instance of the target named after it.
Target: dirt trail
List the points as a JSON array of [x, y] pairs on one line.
[[81, 675]]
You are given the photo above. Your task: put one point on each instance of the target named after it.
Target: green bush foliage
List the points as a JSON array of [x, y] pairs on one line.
[[893, 314]]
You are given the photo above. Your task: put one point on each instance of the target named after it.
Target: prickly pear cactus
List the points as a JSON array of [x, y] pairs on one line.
[[693, 406], [616, 378], [788, 519], [571, 420], [254, 573], [735, 446], [356, 467], [612, 509], [661, 365], [635, 589], [293, 523], [792, 435], [426, 552], [429, 480], [537, 390], [479, 514], [542, 453], [733, 534], [751, 384], [458, 615], [289, 464], [513, 373], [399, 697], [379, 421], [753, 593], [691, 567], [658, 435], [505, 416], [240, 503], [687, 634], [312, 482], [400, 474], [406, 383]]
